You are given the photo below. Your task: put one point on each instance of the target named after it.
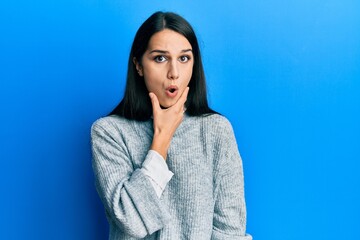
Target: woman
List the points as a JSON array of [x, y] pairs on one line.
[[166, 165]]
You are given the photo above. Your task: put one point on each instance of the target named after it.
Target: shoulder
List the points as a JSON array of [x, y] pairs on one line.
[[105, 123], [108, 121], [217, 124], [110, 124]]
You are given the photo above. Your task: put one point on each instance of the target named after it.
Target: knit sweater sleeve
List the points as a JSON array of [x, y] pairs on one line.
[[127, 194], [229, 220], [157, 171]]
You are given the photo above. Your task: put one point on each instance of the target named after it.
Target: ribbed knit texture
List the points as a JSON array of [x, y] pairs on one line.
[[204, 199]]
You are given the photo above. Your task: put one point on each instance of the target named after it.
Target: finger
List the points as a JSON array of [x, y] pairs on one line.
[[179, 105], [154, 102], [183, 97]]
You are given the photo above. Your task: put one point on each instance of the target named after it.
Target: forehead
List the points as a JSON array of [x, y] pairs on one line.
[[168, 40]]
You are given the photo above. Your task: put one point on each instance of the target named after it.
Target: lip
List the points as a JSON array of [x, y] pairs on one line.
[[172, 91]]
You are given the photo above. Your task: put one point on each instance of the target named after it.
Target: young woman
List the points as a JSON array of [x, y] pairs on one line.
[[166, 165]]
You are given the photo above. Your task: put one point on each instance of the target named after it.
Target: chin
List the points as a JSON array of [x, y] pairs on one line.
[[166, 105]]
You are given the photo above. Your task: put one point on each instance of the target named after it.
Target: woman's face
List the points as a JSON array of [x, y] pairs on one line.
[[167, 66]]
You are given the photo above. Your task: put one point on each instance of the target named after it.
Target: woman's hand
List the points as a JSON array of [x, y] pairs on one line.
[[166, 122]]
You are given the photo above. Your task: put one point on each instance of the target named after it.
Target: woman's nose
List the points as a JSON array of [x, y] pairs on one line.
[[173, 72]]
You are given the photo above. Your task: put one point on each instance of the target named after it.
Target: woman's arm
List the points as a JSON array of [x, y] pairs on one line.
[[130, 195], [127, 194], [229, 220]]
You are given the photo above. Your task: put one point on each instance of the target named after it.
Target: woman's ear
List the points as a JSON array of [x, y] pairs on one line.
[[138, 67]]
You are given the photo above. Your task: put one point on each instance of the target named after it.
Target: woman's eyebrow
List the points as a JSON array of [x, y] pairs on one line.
[[159, 51], [166, 52], [187, 50]]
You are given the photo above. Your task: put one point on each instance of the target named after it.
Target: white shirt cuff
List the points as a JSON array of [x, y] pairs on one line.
[[157, 171]]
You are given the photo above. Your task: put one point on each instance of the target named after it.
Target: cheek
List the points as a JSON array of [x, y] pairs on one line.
[[151, 80], [188, 73]]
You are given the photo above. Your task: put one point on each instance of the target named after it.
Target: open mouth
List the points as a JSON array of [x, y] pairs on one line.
[[172, 91]]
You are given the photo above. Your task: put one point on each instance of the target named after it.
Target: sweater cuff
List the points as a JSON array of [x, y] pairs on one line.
[[157, 171]]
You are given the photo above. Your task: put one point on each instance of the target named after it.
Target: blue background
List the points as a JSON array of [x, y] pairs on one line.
[[286, 74]]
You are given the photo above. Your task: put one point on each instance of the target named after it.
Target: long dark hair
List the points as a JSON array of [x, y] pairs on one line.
[[136, 103]]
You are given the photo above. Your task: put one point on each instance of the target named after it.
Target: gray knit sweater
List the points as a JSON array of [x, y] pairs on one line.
[[204, 199]]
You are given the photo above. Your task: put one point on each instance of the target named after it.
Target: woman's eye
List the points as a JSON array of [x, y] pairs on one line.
[[184, 59], [160, 59]]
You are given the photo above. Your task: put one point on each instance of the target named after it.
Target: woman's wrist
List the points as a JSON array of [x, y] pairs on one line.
[[160, 144]]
